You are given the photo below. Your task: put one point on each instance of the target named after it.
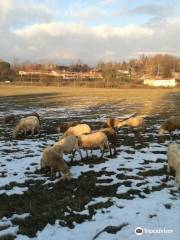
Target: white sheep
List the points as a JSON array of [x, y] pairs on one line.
[[30, 123], [96, 140], [173, 155], [134, 122], [53, 159], [67, 145], [170, 125], [78, 130]]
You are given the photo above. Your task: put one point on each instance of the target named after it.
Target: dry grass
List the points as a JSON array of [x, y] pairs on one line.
[[148, 99], [12, 90]]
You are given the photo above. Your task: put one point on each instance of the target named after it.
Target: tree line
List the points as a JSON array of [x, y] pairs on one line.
[[133, 70]]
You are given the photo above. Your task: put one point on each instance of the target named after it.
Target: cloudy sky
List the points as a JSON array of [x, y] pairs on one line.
[[89, 30]]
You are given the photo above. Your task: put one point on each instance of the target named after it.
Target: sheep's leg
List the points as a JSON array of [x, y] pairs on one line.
[[51, 172], [73, 153], [168, 169], [80, 153], [102, 149], [32, 131], [86, 153], [114, 149], [38, 131], [107, 143], [102, 154], [110, 151]]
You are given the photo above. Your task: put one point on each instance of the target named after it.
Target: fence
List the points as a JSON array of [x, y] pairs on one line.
[[43, 80]]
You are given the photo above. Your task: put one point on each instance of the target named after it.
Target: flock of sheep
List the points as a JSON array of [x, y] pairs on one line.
[[77, 136]]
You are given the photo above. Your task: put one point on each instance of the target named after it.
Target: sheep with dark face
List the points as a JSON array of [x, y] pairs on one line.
[[112, 122], [10, 119], [170, 125], [173, 155], [27, 124], [111, 135], [116, 122], [54, 160], [35, 114], [78, 130], [96, 140], [62, 128], [67, 145]]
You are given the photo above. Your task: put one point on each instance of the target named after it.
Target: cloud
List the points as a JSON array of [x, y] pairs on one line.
[[85, 13], [58, 41], [33, 34], [15, 13], [153, 12]]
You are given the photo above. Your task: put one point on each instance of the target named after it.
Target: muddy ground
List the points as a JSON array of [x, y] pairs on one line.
[[139, 167]]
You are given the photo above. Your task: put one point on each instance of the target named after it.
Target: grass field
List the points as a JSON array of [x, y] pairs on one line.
[[107, 197], [12, 90], [149, 99]]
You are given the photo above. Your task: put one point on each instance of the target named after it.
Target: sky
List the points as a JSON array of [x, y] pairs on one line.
[[63, 32]]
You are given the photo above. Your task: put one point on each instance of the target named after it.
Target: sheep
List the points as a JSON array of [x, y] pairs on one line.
[[67, 145], [33, 114], [10, 119], [173, 155], [78, 130], [134, 122], [170, 125], [27, 124], [111, 135], [114, 122], [62, 128], [93, 141], [53, 159]]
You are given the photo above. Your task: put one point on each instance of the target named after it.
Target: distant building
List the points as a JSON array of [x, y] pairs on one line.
[[66, 75], [124, 72], [161, 82], [176, 75]]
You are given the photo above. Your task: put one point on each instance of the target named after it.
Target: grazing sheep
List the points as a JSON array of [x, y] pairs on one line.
[[111, 135], [114, 122], [10, 119], [134, 122], [27, 124], [170, 125], [55, 161], [67, 145], [78, 130], [62, 128], [93, 141], [173, 155], [35, 114]]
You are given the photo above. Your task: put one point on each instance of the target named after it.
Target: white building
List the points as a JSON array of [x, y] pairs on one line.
[[161, 82]]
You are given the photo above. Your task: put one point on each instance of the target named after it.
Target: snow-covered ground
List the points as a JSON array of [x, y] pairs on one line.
[[143, 196]]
